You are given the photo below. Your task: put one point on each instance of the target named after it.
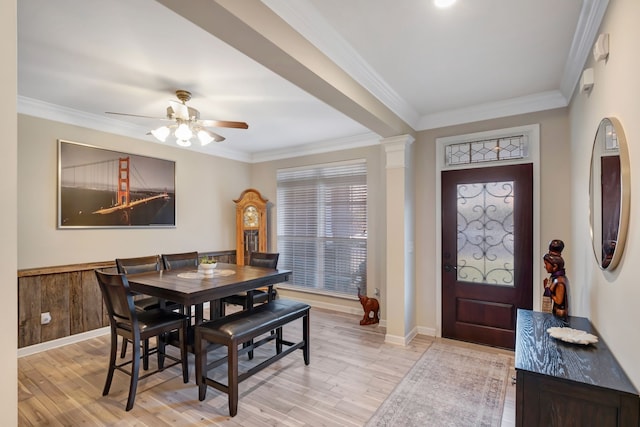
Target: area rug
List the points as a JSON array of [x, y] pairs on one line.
[[449, 385]]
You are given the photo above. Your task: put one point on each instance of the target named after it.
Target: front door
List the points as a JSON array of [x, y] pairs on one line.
[[487, 249]]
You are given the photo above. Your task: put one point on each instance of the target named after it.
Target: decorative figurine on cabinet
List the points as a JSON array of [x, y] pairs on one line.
[[556, 287], [369, 305]]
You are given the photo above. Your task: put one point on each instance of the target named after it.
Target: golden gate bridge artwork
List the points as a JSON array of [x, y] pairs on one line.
[[110, 189]]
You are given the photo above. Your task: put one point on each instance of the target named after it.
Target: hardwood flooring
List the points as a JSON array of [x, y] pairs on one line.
[[351, 373]]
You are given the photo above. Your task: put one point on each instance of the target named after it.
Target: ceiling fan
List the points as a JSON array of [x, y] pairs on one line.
[[186, 123]]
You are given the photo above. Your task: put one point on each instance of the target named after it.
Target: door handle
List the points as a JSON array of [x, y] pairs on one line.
[[449, 268]]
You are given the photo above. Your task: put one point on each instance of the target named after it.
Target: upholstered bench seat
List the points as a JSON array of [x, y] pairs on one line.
[[242, 327]]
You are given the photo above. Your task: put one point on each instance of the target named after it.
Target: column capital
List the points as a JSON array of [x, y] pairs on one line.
[[396, 148]]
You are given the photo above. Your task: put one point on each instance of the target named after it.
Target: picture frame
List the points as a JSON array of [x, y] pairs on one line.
[[102, 188]]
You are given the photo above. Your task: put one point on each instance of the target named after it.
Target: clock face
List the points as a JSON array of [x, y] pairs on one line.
[[251, 217]]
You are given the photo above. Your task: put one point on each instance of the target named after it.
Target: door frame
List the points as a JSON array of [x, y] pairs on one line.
[[533, 156]]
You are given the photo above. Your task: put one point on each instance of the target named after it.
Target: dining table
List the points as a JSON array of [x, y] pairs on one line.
[[190, 287]]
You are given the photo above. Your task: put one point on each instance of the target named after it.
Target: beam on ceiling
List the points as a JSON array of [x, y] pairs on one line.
[[255, 30]]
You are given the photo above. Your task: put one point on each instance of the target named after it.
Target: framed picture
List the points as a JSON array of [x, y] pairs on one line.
[[99, 188]]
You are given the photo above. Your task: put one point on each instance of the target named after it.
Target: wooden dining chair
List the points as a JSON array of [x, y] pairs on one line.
[[260, 296], [143, 302], [138, 326], [180, 260]]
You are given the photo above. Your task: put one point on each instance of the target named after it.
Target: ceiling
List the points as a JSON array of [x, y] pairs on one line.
[[307, 75]]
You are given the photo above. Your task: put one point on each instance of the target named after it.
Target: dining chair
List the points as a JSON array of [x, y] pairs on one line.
[[261, 295], [142, 303], [138, 326], [180, 260]]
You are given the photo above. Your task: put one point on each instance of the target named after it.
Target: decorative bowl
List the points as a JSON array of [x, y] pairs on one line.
[[207, 268]]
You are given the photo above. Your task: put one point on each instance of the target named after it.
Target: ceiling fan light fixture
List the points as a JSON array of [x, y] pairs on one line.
[[443, 3], [187, 123], [183, 132], [161, 133], [204, 137]]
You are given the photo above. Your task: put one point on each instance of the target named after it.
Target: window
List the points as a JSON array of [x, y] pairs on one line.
[[322, 226], [487, 150]]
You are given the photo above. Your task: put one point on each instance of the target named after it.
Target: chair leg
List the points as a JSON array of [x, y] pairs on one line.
[[112, 363], [305, 336], [278, 340], [123, 352], [135, 368], [248, 304], [145, 355], [183, 351], [201, 367], [161, 344], [232, 375]]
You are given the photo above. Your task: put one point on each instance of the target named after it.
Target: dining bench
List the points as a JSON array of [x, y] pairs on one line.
[[242, 328]]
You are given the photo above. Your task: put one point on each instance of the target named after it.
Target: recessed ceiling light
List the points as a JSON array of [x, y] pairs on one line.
[[443, 3]]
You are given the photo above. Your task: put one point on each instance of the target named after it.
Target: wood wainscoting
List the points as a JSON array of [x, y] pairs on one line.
[[70, 294]]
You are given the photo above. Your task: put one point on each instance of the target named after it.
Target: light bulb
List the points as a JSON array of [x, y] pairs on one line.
[[161, 133], [443, 3], [183, 142], [183, 132], [204, 137]]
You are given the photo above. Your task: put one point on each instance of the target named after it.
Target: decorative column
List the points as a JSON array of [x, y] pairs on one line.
[[400, 263]]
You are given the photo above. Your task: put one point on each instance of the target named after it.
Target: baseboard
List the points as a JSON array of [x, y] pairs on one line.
[[71, 339], [327, 306], [423, 330], [399, 340]]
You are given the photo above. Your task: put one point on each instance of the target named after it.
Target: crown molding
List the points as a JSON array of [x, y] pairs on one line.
[[356, 141], [493, 110], [306, 20], [587, 28], [48, 111], [57, 113]]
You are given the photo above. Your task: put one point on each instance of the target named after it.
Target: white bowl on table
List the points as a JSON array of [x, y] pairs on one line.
[[207, 269]]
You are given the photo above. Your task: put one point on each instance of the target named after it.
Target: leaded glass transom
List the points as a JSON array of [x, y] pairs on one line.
[[488, 150], [485, 233]]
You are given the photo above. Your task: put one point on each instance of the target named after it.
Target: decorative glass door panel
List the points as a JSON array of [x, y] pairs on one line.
[[485, 233]]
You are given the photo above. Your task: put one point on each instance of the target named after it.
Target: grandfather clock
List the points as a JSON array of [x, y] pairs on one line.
[[251, 225]]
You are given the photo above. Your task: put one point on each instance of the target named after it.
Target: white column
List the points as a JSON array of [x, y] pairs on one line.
[[9, 212], [400, 263]]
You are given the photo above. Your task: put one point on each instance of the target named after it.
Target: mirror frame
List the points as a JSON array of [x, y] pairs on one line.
[[595, 194]]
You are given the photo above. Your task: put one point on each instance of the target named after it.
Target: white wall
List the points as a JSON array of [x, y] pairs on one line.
[[205, 189], [8, 214], [610, 300]]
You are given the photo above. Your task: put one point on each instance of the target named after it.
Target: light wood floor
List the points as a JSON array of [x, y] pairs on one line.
[[351, 373]]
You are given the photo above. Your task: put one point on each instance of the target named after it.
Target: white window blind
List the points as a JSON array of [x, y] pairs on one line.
[[322, 226]]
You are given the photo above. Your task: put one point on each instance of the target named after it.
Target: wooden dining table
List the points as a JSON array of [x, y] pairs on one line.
[[189, 287]]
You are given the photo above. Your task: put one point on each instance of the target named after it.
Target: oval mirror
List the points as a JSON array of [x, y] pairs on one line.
[[609, 193]]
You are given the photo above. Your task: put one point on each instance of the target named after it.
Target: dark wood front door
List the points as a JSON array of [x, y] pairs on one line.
[[487, 252]]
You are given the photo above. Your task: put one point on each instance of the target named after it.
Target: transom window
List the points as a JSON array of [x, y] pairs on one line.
[[487, 150]]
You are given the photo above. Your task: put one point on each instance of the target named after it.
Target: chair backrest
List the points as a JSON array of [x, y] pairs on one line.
[[138, 265], [185, 259], [264, 259], [117, 297]]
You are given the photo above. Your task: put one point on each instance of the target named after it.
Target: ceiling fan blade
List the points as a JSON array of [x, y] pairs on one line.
[[215, 136], [181, 111], [135, 115], [223, 124]]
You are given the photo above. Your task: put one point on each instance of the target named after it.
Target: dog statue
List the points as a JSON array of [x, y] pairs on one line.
[[369, 305]]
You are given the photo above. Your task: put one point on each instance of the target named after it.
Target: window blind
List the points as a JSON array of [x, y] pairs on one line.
[[322, 226]]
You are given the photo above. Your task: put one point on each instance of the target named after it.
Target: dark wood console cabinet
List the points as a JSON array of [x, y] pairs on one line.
[[564, 384]]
